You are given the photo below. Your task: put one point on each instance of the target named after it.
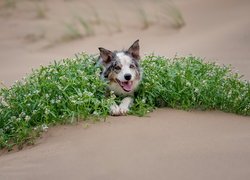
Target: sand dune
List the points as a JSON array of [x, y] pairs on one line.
[[169, 144]]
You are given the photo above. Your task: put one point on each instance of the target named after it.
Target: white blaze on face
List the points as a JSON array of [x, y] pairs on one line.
[[126, 61]]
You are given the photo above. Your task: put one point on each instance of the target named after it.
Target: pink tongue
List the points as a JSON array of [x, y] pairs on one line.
[[127, 86]]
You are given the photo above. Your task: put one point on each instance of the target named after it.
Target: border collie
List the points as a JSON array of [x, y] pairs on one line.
[[122, 72]]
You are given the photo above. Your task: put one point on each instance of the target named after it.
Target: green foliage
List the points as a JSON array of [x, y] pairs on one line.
[[71, 89], [60, 93], [190, 83]]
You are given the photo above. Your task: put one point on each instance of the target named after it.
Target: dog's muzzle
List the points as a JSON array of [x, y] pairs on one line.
[[126, 85]]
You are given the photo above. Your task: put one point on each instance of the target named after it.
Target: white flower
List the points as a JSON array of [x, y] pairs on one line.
[[89, 94], [13, 118], [36, 92], [27, 118], [47, 111], [62, 77], [196, 90], [188, 83], [95, 113], [22, 114], [60, 87], [44, 127], [73, 101], [4, 103], [79, 93]]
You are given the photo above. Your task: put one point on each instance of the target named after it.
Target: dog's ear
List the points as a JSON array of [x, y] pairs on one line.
[[134, 50], [105, 54]]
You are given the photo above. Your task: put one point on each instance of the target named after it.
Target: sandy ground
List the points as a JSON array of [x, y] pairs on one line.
[[169, 144]]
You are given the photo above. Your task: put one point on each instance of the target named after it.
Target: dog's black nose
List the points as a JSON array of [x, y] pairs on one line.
[[127, 77]]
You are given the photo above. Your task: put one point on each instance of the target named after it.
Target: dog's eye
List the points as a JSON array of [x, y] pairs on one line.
[[117, 68], [132, 66]]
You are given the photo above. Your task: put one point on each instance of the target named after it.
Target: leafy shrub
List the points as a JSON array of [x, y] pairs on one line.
[[62, 92], [71, 89], [190, 83]]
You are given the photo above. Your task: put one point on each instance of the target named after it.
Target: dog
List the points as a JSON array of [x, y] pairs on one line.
[[122, 71]]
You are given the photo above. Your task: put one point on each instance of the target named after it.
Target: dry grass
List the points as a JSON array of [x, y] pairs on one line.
[[143, 17], [88, 19], [40, 9], [10, 3], [173, 14], [72, 32], [89, 30]]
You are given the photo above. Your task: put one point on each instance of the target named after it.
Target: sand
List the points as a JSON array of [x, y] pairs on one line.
[[168, 144]]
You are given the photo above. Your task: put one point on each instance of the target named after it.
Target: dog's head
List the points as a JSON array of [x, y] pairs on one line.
[[121, 69]]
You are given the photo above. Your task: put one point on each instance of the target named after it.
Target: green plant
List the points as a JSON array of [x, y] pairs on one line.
[[190, 83], [59, 93], [71, 89]]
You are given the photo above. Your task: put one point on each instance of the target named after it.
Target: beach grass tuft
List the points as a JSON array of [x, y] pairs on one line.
[[10, 3], [72, 33], [97, 18], [173, 13], [89, 30], [40, 10], [144, 18], [70, 90]]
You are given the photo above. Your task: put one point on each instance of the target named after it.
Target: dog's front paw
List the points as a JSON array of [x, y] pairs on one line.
[[116, 110], [123, 109]]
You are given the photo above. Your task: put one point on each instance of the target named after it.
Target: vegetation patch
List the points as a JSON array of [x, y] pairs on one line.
[[190, 83], [71, 90]]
